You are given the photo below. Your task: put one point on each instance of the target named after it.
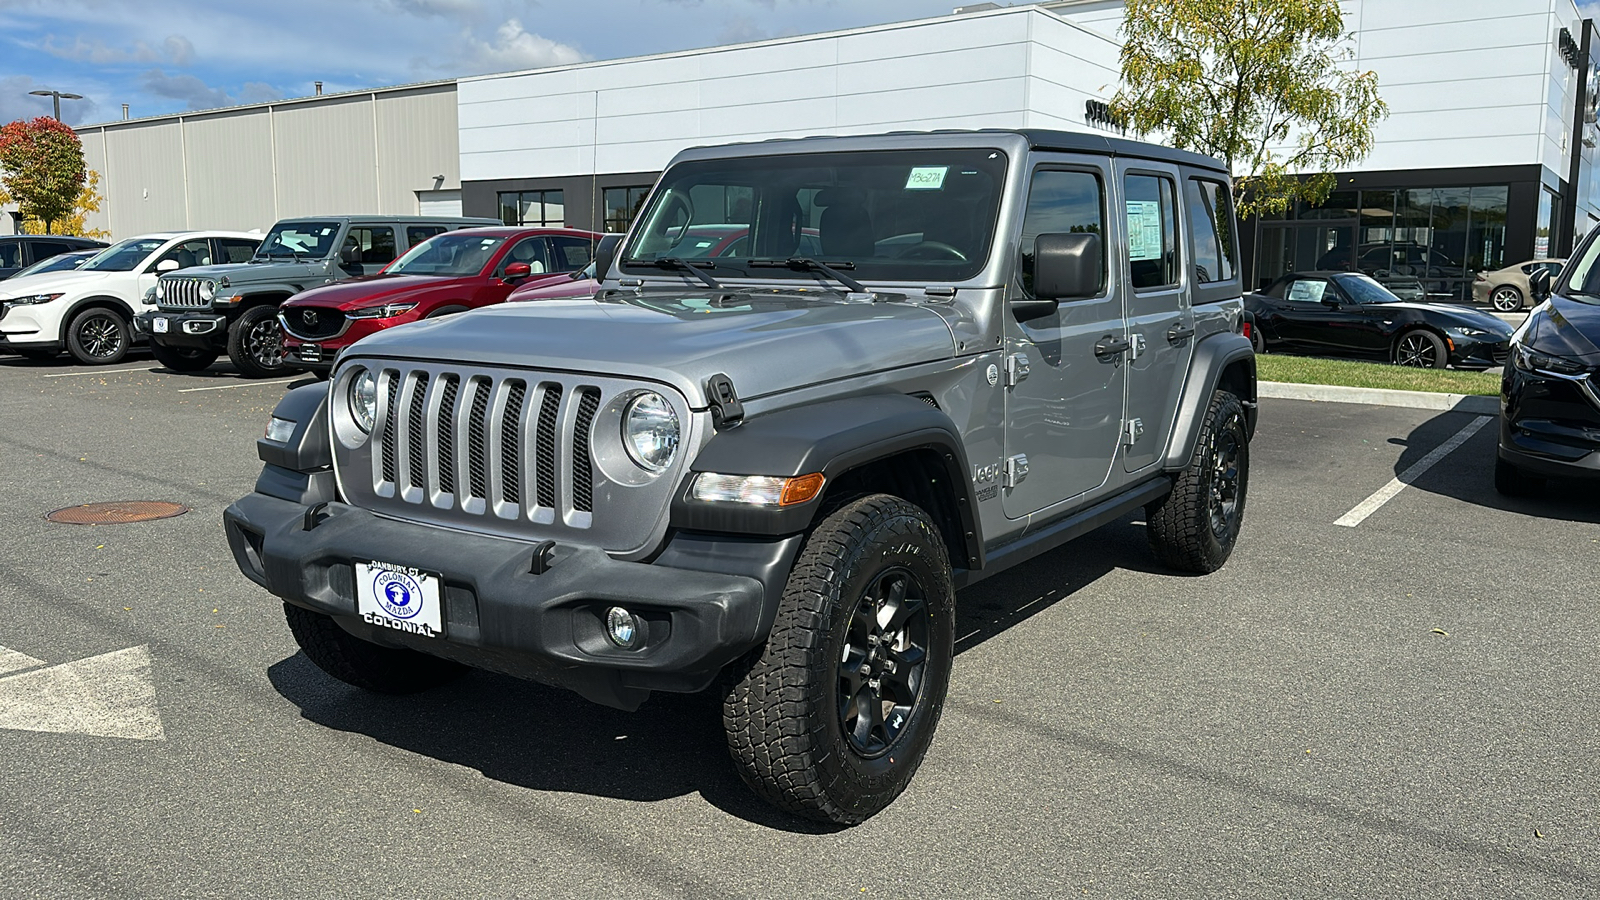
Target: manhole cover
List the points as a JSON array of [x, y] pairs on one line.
[[117, 513]]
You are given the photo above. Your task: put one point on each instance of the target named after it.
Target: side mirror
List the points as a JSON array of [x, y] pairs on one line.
[[605, 253], [349, 255], [171, 265], [516, 272], [1068, 266], [1539, 285], [1330, 300]]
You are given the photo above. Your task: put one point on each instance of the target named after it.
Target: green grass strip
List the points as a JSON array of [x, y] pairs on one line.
[[1306, 370]]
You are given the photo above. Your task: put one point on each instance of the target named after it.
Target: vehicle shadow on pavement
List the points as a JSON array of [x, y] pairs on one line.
[[549, 739], [1467, 474]]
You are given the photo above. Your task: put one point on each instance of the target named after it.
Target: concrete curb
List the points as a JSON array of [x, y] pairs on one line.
[[1328, 393]]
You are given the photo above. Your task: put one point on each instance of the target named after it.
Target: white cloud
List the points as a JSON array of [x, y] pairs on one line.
[[512, 47], [175, 49], [196, 94]]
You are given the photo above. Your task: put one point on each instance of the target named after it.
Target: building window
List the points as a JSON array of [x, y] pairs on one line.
[[622, 204], [537, 208]]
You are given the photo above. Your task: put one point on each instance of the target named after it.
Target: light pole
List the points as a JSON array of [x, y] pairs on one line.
[[58, 96]]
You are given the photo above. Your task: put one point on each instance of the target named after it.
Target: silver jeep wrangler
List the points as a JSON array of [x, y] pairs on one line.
[[746, 467]]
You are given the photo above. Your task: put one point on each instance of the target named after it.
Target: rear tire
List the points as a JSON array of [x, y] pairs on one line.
[[182, 359], [831, 718], [1506, 298], [98, 337], [1194, 528], [1510, 481], [255, 344], [1420, 349], [382, 670]]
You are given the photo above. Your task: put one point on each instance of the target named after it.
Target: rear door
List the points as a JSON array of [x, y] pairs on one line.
[[1160, 319], [376, 244], [1064, 403]]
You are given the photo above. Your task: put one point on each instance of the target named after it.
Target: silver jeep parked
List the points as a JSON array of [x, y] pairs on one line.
[[744, 468]]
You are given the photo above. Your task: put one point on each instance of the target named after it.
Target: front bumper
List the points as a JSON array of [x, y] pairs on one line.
[[319, 354], [1467, 353], [1549, 426], [195, 330], [500, 615]]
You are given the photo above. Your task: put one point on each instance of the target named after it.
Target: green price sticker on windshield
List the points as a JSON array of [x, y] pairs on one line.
[[926, 178]]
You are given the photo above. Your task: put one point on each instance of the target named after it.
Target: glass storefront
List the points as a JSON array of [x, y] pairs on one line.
[[1423, 242]]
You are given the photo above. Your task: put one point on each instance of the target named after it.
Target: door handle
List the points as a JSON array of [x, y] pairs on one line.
[[1111, 346], [1179, 333]]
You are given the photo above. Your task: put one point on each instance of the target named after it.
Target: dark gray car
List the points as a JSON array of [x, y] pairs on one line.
[[765, 473]]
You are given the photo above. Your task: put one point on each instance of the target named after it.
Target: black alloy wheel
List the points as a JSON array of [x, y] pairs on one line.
[[1420, 349], [885, 655], [1224, 489], [97, 337], [255, 344], [1506, 298]]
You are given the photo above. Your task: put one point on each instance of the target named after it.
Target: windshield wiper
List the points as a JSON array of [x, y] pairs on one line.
[[807, 264], [697, 269]]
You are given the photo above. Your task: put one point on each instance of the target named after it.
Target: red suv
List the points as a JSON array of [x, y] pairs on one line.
[[448, 273]]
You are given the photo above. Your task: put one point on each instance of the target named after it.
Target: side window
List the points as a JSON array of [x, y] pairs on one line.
[[571, 254], [47, 249], [416, 234], [1211, 222], [376, 244], [1152, 231], [189, 253], [531, 251], [1306, 291], [235, 250], [11, 255], [1060, 202]]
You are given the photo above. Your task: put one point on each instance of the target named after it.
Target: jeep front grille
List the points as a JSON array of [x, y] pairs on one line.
[[181, 293], [508, 452]]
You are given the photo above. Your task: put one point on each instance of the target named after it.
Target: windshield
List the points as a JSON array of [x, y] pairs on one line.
[[1582, 275], [310, 239], [453, 254], [1362, 289], [57, 263], [892, 215], [123, 257]]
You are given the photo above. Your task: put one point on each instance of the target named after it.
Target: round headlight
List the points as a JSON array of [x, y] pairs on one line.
[[650, 431], [161, 290], [208, 289], [364, 398]]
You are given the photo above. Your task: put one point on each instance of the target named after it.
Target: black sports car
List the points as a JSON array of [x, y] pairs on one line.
[[1348, 313], [1549, 402]]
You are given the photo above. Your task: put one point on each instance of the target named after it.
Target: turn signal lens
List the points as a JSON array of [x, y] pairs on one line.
[[756, 490], [280, 430]]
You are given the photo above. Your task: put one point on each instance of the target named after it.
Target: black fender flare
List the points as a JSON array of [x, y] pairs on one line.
[[263, 295], [1213, 356], [102, 300], [831, 437]]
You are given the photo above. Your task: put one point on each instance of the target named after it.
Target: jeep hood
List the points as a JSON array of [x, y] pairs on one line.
[[764, 342], [244, 273]]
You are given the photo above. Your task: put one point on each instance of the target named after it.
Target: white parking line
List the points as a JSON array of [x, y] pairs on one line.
[[229, 387], [1397, 484], [98, 372]]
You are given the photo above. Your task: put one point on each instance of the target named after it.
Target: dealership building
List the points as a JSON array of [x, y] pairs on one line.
[[1486, 157]]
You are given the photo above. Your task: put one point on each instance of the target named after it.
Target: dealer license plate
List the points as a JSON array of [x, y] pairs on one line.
[[399, 597], [159, 325]]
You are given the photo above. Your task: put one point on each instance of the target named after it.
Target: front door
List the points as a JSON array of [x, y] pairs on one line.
[[1063, 402], [1160, 319]]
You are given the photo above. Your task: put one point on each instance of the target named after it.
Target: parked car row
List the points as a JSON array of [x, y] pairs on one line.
[[23, 251]]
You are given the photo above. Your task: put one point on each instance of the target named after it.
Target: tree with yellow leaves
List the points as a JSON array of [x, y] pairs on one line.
[[75, 221]]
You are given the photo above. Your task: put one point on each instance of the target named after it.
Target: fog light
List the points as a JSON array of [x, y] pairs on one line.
[[280, 430], [623, 627]]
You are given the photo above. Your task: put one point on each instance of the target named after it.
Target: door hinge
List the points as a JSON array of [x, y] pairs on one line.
[[1017, 369], [1132, 432], [1136, 346], [1016, 470]]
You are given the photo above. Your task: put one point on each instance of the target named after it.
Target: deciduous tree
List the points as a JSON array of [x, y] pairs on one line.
[[41, 167], [1264, 85]]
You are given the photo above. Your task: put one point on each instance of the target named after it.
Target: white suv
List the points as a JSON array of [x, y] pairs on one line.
[[88, 311]]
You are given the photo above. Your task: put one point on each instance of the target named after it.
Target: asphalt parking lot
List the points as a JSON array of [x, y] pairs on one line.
[[1404, 707]]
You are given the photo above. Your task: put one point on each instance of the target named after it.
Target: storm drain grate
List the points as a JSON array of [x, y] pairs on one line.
[[117, 512]]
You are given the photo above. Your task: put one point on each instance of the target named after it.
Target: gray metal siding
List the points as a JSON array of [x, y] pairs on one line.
[[327, 158], [230, 171], [409, 156]]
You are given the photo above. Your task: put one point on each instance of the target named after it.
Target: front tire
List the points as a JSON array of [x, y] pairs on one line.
[[1420, 349], [382, 670], [1194, 528], [1510, 481], [1506, 298], [98, 337], [255, 345], [182, 359], [835, 713]]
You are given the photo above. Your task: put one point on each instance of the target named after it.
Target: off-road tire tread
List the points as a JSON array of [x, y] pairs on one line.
[[381, 670], [1178, 525], [772, 694]]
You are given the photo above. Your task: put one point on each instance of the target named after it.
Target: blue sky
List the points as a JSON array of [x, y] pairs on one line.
[[164, 56]]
